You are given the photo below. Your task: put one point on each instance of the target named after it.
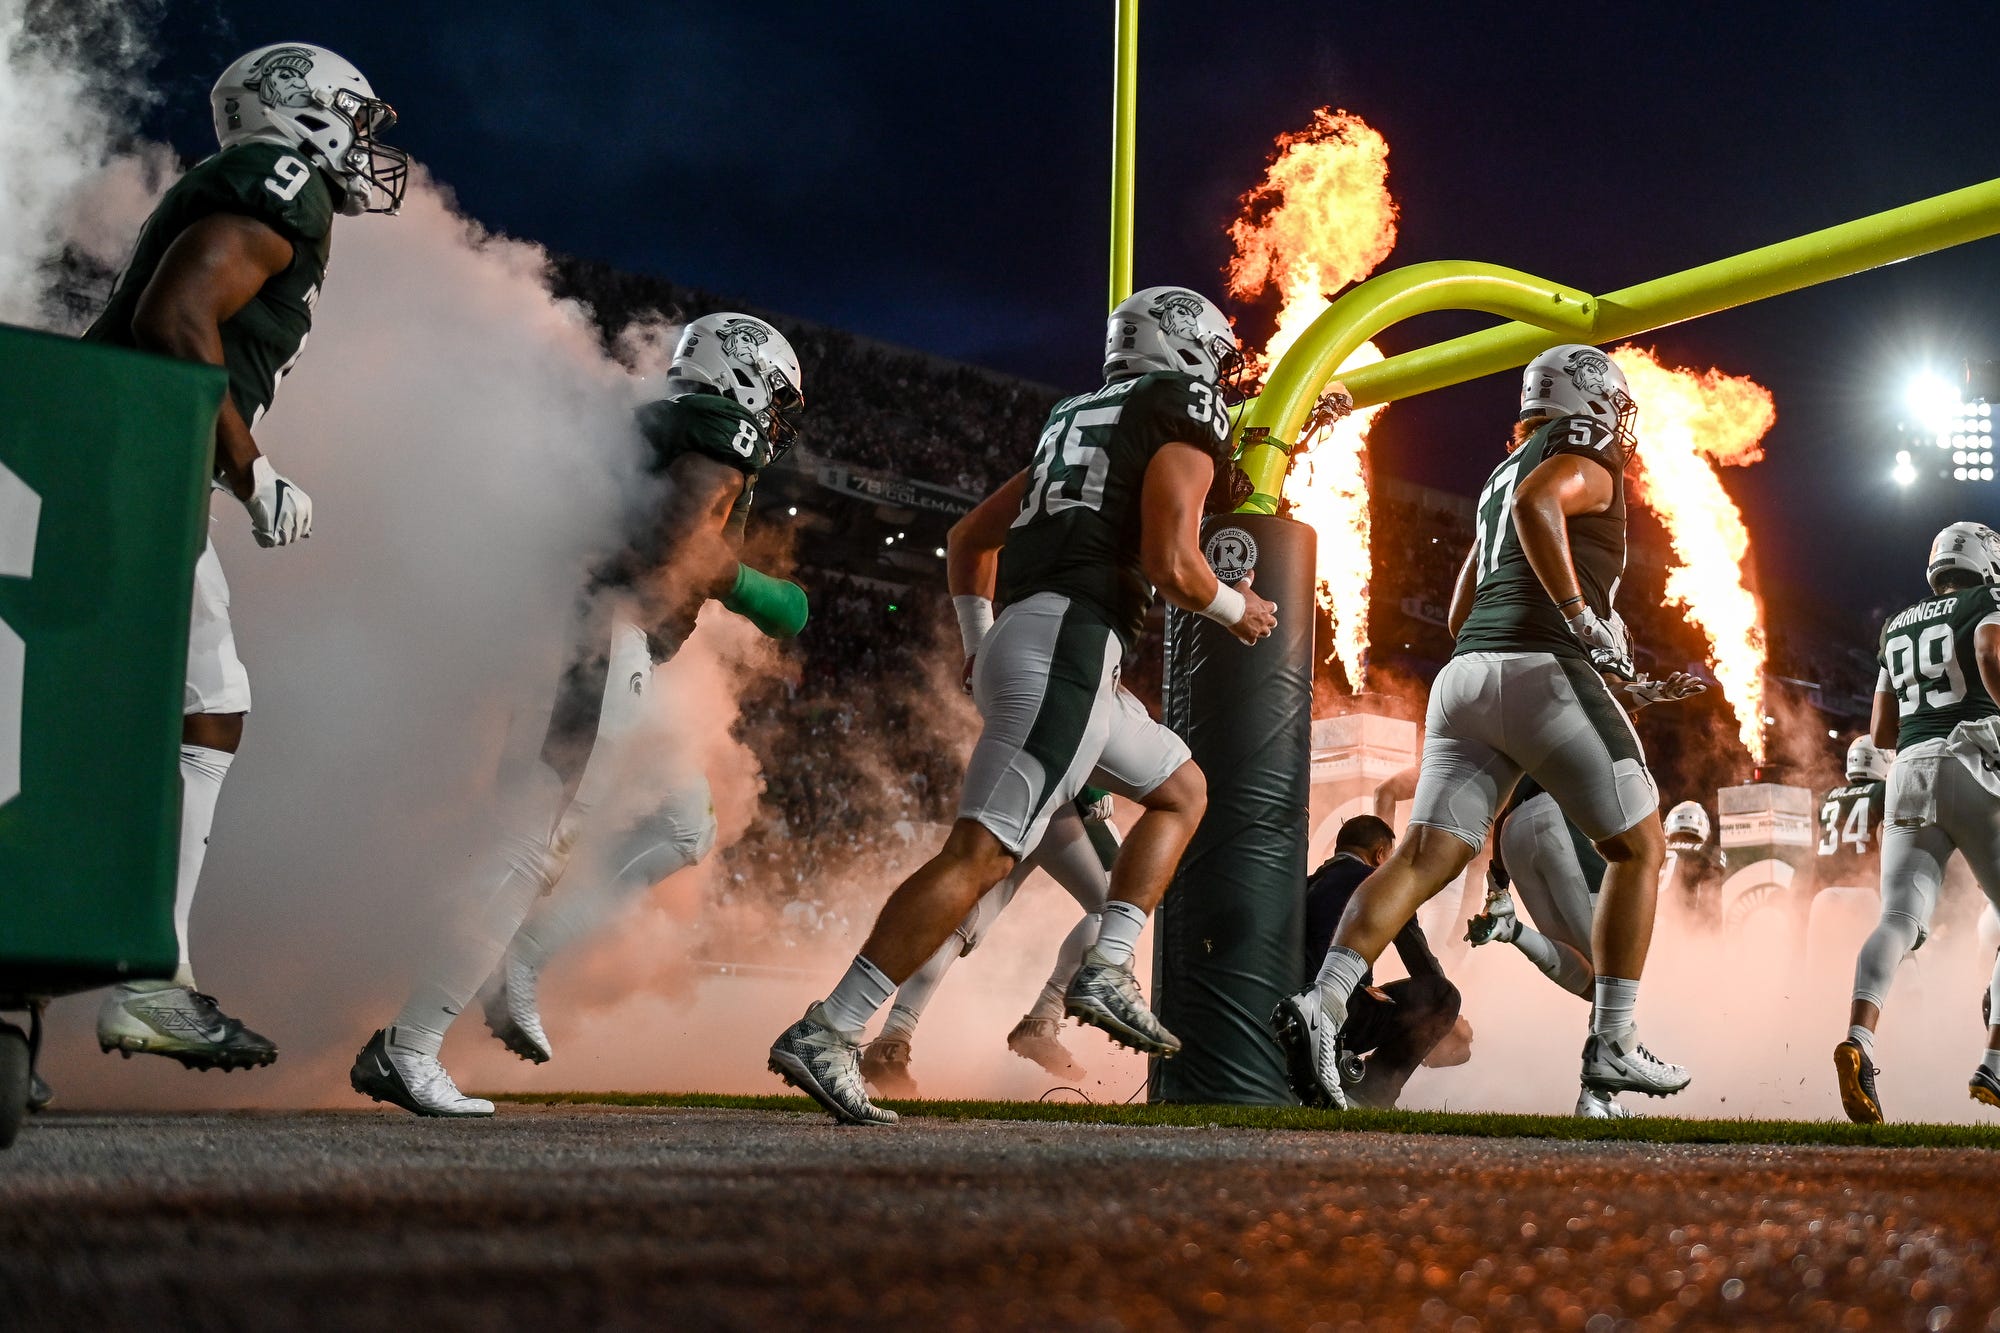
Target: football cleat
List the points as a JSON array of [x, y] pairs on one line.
[[1594, 1105], [160, 1018], [824, 1063], [1497, 922], [885, 1064], [1611, 1067], [1035, 1039], [40, 1094], [410, 1079], [1856, 1073], [1311, 1043], [512, 1015], [1106, 996], [1984, 1087]]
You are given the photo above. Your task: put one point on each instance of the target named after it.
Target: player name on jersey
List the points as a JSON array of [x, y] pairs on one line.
[[1929, 663]]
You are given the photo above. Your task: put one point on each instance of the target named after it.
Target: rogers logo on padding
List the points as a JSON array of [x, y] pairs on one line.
[[1231, 553]]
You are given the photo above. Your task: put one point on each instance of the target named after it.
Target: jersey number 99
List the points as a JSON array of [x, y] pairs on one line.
[[1931, 656]]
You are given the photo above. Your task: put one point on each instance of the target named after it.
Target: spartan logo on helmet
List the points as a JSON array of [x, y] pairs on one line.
[[281, 77], [1179, 314], [1588, 370], [740, 340]]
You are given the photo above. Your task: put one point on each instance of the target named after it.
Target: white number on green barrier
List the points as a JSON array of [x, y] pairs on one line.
[[20, 517]]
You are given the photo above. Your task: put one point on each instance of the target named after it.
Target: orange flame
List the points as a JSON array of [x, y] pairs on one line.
[[1689, 424], [1320, 219]]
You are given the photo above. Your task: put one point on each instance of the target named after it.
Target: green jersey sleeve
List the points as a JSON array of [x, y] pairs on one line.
[[1171, 408], [267, 181], [707, 424]]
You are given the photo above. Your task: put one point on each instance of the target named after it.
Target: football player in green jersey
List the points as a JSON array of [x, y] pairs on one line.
[[1108, 510], [1523, 693], [731, 392], [1850, 819], [227, 271], [1934, 703]]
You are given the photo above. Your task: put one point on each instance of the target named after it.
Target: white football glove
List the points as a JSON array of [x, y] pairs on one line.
[[1646, 690], [1093, 805], [280, 513], [1605, 641]]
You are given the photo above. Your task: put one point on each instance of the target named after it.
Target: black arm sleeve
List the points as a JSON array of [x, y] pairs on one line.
[[1415, 951]]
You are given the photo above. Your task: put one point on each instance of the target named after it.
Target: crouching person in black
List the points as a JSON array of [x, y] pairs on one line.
[[1398, 1025]]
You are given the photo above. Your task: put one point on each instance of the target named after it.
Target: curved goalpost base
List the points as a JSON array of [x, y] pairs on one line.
[[1228, 938]]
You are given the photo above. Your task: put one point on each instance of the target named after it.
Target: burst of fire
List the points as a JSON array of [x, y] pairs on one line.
[[1689, 424], [1320, 219]]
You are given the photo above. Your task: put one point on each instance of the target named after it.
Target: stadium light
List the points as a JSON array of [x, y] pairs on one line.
[[1903, 473], [1933, 401]]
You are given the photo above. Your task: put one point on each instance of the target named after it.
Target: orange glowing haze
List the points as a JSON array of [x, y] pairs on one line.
[[1320, 219], [1689, 424]]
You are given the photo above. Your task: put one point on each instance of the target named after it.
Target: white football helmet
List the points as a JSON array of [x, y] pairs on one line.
[[1687, 826], [1972, 547], [1865, 761], [746, 361], [306, 96], [1578, 380], [1171, 328]]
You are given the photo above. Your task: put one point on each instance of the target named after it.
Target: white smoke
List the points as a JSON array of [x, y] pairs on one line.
[[468, 446], [68, 83]]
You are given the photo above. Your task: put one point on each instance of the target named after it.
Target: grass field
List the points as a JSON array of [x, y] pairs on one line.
[[1641, 1129]]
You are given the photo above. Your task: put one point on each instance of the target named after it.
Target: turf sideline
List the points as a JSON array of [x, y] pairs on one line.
[[1640, 1129]]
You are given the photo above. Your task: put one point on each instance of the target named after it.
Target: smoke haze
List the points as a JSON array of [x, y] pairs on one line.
[[467, 444]]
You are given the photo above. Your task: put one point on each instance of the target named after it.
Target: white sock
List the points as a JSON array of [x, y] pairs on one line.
[[581, 909], [1118, 933], [1614, 1014], [1558, 962], [1049, 1004], [1990, 1062], [1339, 974], [469, 955], [862, 992], [901, 1025], [202, 772], [1865, 1039], [914, 995]]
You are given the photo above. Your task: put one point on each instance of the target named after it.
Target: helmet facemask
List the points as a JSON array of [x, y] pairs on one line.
[[372, 169], [786, 401]]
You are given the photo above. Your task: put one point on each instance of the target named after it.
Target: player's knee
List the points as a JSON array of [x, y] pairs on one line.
[[1432, 853], [1642, 845], [1185, 793], [1900, 928], [213, 731], [972, 845]]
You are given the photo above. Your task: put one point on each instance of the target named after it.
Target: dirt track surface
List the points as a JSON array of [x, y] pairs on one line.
[[574, 1218]]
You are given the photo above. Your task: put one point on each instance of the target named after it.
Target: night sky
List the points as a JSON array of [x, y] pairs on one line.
[[935, 175]]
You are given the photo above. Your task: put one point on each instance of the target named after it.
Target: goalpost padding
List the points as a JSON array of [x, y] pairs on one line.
[[1229, 936]]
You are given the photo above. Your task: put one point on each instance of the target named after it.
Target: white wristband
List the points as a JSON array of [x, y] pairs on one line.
[[1228, 606], [975, 617]]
